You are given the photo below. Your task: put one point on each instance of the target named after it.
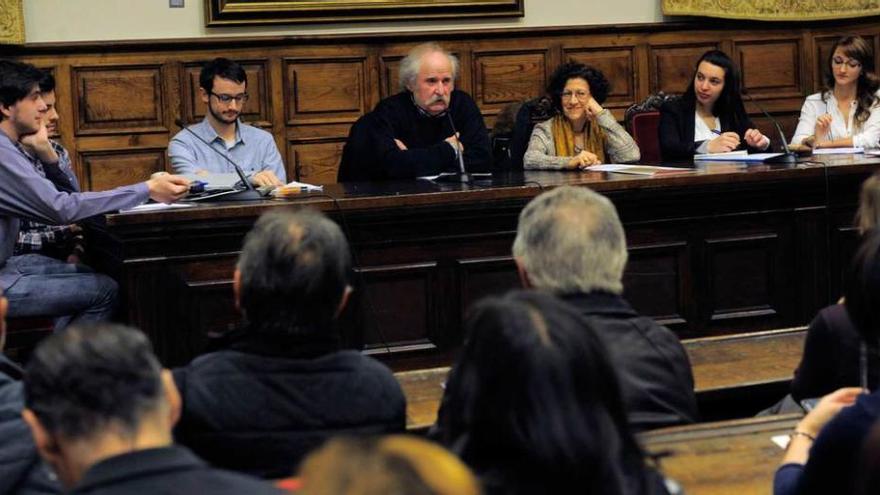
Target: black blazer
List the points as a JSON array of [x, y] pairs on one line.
[[676, 130]]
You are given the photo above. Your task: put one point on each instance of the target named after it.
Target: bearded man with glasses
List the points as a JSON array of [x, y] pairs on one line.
[[223, 89]]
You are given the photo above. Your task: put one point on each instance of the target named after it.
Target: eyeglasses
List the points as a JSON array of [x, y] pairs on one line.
[[852, 64], [227, 99], [580, 95]]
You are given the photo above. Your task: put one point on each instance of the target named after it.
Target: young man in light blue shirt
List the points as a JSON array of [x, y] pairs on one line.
[[223, 89]]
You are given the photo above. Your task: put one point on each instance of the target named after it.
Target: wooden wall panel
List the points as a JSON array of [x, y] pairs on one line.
[[257, 111], [656, 281], [108, 169], [672, 66], [324, 91], [315, 163], [501, 78], [771, 68], [619, 66], [119, 99]]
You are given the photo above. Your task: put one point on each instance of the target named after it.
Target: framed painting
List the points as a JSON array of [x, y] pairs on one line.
[[251, 12], [772, 10]]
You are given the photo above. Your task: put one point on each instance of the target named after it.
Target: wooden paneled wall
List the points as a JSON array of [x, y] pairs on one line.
[[118, 102]]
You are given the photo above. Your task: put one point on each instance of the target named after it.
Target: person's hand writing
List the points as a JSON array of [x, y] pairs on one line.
[[727, 141], [167, 188], [266, 178], [755, 139]]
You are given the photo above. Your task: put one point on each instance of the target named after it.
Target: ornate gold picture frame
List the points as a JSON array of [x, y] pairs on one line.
[[250, 12], [11, 22]]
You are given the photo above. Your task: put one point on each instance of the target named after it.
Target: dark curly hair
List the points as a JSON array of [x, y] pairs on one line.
[[599, 86], [856, 48]]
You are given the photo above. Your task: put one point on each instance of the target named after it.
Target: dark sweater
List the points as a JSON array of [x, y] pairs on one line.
[[831, 356], [371, 153], [262, 405], [676, 129]]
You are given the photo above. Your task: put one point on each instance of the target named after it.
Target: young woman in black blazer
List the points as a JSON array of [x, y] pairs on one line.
[[711, 106]]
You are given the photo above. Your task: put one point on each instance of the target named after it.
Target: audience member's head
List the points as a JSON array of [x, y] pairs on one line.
[[868, 214], [292, 275], [570, 240], [21, 106], [93, 392], [395, 464], [862, 287], [533, 401]]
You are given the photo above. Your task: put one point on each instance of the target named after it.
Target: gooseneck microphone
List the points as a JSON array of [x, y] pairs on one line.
[[788, 156], [249, 193], [462, 175]]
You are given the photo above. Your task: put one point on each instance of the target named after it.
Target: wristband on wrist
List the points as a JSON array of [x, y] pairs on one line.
[[799, 433]]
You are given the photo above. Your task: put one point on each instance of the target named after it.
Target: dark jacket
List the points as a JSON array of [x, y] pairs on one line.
[[831, 356], [262, 405], [167, 471], [371, 153], [834, 457], [676, 129], [21, 469], [654, 371]]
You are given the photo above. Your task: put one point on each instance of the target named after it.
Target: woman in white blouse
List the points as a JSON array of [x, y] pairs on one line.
[[846, 113]]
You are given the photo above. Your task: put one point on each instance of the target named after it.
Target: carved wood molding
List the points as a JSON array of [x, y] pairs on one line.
[[11, 22]]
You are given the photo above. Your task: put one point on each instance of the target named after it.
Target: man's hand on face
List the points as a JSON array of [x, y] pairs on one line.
[[38, 144]]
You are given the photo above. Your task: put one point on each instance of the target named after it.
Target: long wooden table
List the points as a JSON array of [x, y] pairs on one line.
[[727, 370], [727, 457], [722, 249]]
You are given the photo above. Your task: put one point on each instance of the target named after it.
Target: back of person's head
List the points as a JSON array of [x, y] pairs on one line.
[[90, 379], [534, 398], [391, 465], [868, 213], [570, 240], [862, 288], [293, 273], [729, 102], [17, 80], [222, 68]]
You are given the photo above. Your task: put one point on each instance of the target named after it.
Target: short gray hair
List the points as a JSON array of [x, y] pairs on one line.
[[570, 240], [412, 63]]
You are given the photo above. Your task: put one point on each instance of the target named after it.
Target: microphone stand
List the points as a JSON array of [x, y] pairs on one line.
[[788, 157], [249, 193], [462, 176]]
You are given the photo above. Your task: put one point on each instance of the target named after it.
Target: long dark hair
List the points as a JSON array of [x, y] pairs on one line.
[[856, 48], [533, 401], [862, 288], [729, 103]]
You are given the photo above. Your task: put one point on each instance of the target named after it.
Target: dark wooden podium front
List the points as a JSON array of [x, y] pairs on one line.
[[726, 248]]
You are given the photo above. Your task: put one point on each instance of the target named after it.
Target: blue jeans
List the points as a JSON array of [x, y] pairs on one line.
[[53, 288]]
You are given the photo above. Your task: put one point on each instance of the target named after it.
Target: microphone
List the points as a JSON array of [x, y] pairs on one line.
[[462, 175], [788, 156], [249, 193]]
